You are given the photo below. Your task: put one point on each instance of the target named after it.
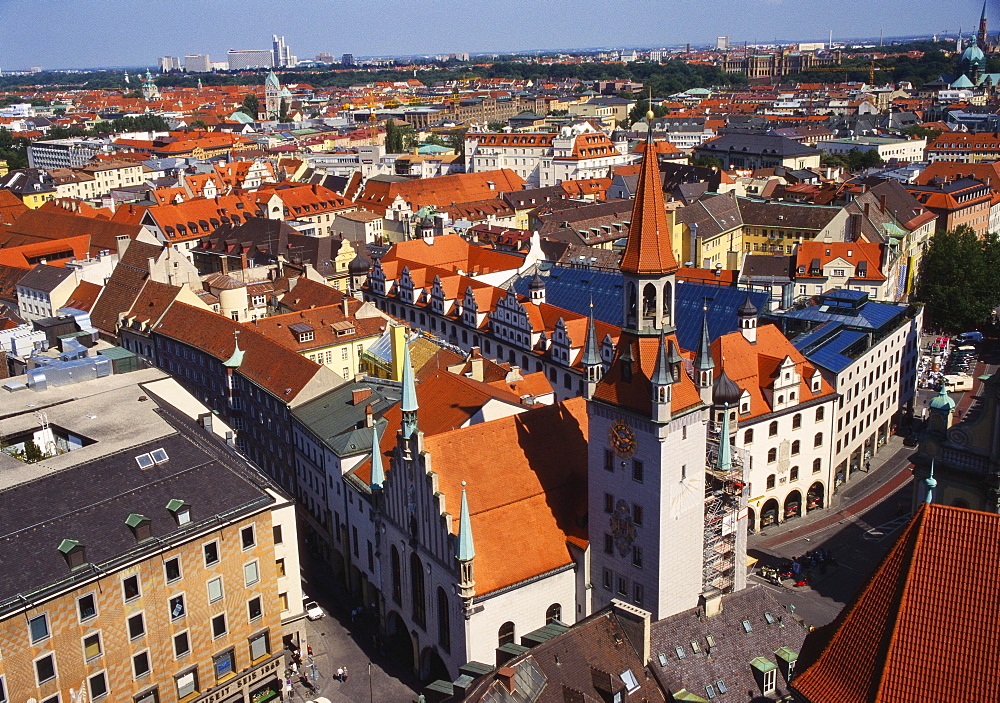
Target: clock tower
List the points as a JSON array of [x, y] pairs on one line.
[[647, 432]]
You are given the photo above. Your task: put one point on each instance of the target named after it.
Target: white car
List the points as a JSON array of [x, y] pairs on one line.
[[313, 611]]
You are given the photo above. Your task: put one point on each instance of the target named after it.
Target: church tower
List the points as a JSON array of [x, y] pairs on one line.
[[149, 89], [647, 434], [272, 97], [981, 40]]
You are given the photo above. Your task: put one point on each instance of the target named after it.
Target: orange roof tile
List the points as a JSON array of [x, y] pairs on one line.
[[648, 248]]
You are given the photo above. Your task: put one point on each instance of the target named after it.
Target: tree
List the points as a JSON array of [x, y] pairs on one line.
[[706, 161], [958, 282], [435, 140], [393, 137], [283, 111], [639, 110], [198, 124], [495, 126], [922, 132], [250, 106], [32, 453]]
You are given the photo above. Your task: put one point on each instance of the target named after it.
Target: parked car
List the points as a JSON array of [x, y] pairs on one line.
[[313, 611]]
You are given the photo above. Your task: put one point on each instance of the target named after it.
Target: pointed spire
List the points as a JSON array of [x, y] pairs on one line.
[[378, 473], [591, 355], [704, 360], [648, 249], [236, 359], [409, 402], [662, 373], [724, 463], [466, 548], [931, 485]]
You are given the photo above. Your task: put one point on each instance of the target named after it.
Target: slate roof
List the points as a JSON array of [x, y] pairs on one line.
[[768, 267], [335, 419], [90, 502], [45, 278], [734, 648], [123, 286], [757, 144], [714, 214], [926, 625], [784, 215], [588, 224]]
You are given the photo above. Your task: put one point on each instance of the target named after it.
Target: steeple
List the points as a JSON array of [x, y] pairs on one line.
[[465, 554], [378, 473], [931, 485], [747, 314], [981, 34], [593, 364], [409, 402], [704, 365]]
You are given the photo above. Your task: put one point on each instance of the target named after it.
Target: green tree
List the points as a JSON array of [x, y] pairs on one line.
[[283, 111], [250, 106], [922, 132], [393, 137], [198, 124], [706, 161], [495, 126], [958, 282], [639, 110], [456, 141], [435, 140], [32, 453]]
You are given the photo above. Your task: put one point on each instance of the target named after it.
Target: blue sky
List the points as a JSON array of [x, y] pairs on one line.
[[136, 32]]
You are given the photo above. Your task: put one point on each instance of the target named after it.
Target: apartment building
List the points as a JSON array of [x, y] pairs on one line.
[[163, 568]]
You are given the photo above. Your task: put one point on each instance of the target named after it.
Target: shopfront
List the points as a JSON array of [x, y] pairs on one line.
[[257, 685]]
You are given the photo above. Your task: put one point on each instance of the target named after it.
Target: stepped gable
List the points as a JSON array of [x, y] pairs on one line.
[[926, 625]]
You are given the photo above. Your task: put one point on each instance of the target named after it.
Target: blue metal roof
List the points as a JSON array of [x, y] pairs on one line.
[[829, 353], [868, 316], [572, 289], [721, 301]]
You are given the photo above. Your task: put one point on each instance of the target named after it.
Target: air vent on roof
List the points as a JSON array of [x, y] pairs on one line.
[[144, 461]]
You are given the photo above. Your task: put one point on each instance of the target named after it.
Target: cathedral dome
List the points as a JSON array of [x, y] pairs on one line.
[[974, 53]]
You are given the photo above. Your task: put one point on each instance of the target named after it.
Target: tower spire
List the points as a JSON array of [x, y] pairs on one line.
[[378, 473], [724, 463], [466, 548], [409, 401], [591, 360], [704, 365], [931, 485]]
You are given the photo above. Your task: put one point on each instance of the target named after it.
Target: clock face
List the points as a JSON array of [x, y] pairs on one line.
[[622, 528], [622, 438]]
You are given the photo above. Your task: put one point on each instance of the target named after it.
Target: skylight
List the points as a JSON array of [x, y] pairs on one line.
[[680, 652], [769, 618], [710, 640], [628, 678], [747, 627], [721, 685], [159, 456], [710, 690], [144, 461], [663, 659]]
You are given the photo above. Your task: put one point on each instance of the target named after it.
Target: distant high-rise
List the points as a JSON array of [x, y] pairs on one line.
[[197, 63], [281, 54], [722, 43], [324, 57], [169, 63], [240, 60], [347, 59]]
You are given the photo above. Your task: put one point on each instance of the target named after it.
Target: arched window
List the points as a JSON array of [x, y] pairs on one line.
[[444, 620], [770, 482], [666, 304], [506, 634], [796, 421], [417, 591], [397, 593], [772, 455], [632, 305], [793, 474], [748, 437], [817, 465], [795, 447], [772, 429], [554, 612], [819, 414], [818, 440], [649, 305]]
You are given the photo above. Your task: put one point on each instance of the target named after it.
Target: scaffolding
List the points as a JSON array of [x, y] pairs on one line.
[[724, 558]]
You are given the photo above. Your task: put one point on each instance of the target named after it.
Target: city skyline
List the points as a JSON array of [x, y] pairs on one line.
[[86, 33]]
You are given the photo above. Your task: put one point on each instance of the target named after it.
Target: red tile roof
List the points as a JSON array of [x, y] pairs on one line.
[[637, 393], [648, 248], [452, 253], [926, 625]]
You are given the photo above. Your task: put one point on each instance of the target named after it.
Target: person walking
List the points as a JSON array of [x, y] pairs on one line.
[[340, 674], [345, 674]]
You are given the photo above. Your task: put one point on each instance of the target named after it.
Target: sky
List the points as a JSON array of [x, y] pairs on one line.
[[91, 33]]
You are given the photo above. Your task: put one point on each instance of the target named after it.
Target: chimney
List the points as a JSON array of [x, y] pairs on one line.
[[506, 676], [359, 394], [122, 241], [882, 203], [369, 416], [344, 305], [476, 366], [635, 622], [867, 208], [713, 606]]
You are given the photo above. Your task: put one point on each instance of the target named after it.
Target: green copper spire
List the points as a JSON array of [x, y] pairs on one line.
[[725, 460], [236, 359], [931, 485], [409, 404], [466, 549], [378, 473]]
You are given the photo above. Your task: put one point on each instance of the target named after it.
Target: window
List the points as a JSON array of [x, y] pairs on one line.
[[637, 593], [553, 613], [92, 646], [182, 645], [609, 460], [136, 626], [214, 589], [397, 592], [637, 470], [637, 556], [260, 646], [748, 437], [817, 465], [819, 414], [98, 685], [251, 574], [187, 683], [87, 607], [172, 568], [279, 565], [444, 620], [506, 634], [219, 625], [772, 455], [772, 429], [796, 421], [140, 664], [45, 668], [770, 681], [277, 534], [609, 503], [3, 691], [607, 580], [151, 696], [770, 482], [38, 627], [254, 608], [247, 537], [795, 447], [637, 514], [417, 596], [609, 543], [211, 551], [224, 664], [130, 587], [793, 474], [283, 601], [176, 607], [818, 441], [622, 586]]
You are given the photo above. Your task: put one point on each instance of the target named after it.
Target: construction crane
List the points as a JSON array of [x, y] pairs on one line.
[[871, 69]]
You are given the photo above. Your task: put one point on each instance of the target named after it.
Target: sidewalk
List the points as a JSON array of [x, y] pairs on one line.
[[890, 470]]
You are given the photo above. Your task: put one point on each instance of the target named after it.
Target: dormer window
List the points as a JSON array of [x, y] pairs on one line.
[[73, 552], [181, 510], [141, 526]]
